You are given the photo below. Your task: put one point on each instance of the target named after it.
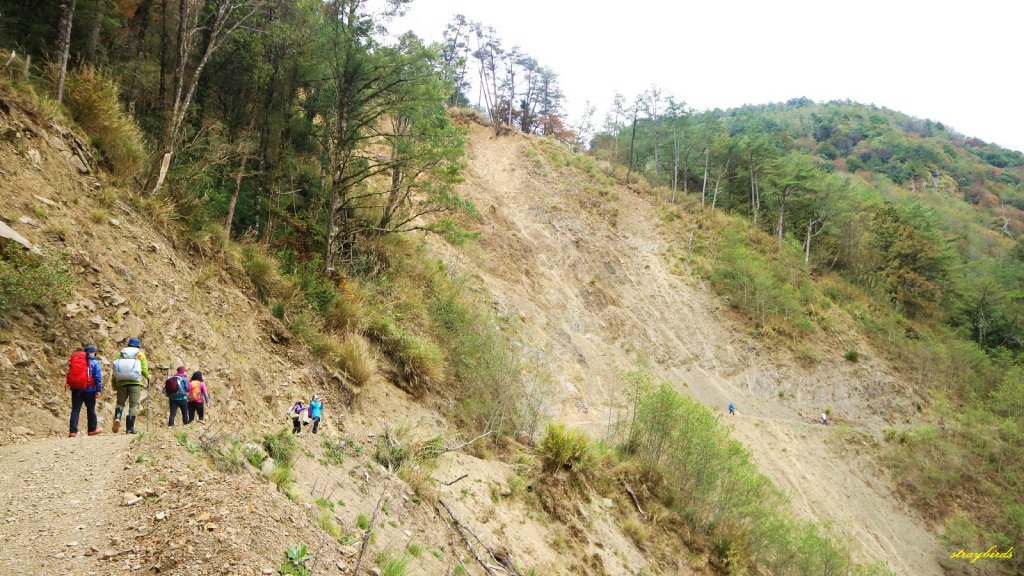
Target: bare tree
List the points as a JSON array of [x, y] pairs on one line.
[[63, 48], [227, 17]]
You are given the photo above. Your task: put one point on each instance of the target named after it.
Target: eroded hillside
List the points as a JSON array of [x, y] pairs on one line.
[[595, 279], [209, 499]]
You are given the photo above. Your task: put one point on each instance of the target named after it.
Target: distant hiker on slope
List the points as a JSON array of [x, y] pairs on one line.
[[197, 396], [316, 406], [732, 409], [176, 389], [824, 418], [130, 370], [295, 412], [85, 379]]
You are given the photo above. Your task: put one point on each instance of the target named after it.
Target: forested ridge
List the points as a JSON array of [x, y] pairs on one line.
[[910, 227], [303, 142]]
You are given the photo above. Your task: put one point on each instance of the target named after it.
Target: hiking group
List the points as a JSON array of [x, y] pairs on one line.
[[304, 415], [130, 372]]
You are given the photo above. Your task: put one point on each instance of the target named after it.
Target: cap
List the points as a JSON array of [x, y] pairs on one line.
[[90, 349], [134, 342], [182, 369]]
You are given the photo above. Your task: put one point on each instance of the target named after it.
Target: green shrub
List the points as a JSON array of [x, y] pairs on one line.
[[261, 271], [295, 560], [92, 99], [282, 476], [333, 453], [852, 355], [282, 447], [28, 279], [363, 521], [564, 448], [326, 522]]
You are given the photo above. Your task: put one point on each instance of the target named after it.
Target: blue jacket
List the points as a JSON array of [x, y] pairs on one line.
[[314, 408], [97, 375]]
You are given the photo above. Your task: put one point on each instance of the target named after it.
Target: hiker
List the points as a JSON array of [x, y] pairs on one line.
[[85, 379], [316, 406], [824, 418], [176, 389], [197, 396], [296, 412], [129, 372], [732, 409]]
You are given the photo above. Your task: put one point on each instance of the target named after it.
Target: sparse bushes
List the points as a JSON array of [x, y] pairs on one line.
[[28, 279], [92, 99], [697, 470]]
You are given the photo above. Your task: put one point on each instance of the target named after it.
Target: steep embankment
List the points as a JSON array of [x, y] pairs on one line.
[[594, 280], [186, 500]]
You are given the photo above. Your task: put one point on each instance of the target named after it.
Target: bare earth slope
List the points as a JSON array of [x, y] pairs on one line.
[[157, 504], [592, 280]]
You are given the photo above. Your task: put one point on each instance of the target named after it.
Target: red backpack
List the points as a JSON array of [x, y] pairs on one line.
[[79, 375]]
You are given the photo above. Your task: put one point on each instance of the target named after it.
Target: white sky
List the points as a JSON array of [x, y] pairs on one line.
[[959, 64]]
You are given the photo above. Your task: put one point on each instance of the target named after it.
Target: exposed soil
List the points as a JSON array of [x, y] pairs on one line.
[[594, 280]]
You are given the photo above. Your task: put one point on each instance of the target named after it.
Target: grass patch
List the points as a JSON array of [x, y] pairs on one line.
[[92, 99], [28, 279], [564, 449], [282, 447], [392, 563]]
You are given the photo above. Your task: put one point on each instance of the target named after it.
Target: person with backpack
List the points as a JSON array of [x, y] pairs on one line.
[[316, 406], [85, 380], [732, 409], [130, 371], [295, 412], [197, 396], [176, 389]]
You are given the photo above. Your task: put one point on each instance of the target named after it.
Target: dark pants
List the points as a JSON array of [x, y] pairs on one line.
[[179, 405], [77, 399], [296, 425], [193, 409], [316, 424]]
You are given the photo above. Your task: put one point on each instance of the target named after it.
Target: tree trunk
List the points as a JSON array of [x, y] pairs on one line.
[[807, 244], [675, 166], [781, 226], [704, 187], [67, 14], [234, 196], [163, 53], [94, 34], [718, 182], [632, 140]]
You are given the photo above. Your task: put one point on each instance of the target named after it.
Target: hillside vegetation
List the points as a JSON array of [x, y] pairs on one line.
[[912, 229], [288, 160]]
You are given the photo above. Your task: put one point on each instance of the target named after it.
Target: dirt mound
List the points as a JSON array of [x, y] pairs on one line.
[[594, 280]]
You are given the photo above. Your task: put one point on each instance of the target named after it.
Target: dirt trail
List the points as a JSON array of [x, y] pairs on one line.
[[60, 504], [592, 281]]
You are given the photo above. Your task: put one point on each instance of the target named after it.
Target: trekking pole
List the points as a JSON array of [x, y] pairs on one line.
[[149, 403]]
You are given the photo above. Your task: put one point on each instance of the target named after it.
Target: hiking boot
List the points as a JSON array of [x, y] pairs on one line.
[[117, 419], [95, 432], [130, 425], [116, 426], [72, 434]]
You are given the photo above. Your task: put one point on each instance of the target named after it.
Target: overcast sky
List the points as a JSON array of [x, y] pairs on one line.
[[959, 64]]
